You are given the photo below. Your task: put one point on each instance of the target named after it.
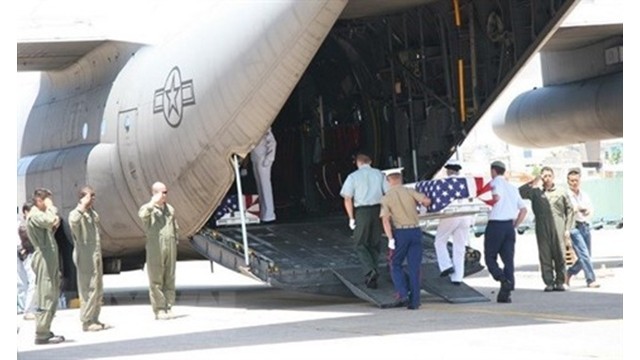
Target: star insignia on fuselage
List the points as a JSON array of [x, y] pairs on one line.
[[173, 97]]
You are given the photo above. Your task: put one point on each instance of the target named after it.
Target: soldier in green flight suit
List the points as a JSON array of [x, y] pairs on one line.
[[161, 231], [554, 219], [42, 222], [87, 255]]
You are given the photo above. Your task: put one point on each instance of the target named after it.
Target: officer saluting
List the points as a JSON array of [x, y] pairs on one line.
[[42, 223]]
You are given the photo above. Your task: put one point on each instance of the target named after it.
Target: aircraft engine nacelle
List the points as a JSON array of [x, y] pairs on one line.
[[559, 115]]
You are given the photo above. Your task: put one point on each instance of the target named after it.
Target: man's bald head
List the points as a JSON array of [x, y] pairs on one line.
[[160, 189]]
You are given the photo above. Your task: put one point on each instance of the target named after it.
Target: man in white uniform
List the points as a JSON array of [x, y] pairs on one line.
[[262, 158], [458, 229]]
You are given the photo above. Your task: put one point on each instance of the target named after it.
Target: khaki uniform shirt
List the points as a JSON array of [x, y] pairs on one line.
[[401, 204]]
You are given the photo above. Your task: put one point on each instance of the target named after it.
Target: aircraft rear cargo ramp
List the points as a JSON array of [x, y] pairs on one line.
[[319, 257]]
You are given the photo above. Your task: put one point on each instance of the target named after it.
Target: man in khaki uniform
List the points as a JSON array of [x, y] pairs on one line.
[[161, 231], [87, 255], [42, 223], [399, 205]]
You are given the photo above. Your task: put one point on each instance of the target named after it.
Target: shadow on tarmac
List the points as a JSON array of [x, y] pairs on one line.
[[229, 316], [530, 307]]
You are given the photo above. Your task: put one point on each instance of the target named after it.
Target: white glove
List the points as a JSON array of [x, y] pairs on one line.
[[392, 244], [352, 224]]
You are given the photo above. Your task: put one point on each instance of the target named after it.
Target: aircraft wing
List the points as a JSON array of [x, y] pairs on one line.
[[575, 37], [575, 40], [45, 56]]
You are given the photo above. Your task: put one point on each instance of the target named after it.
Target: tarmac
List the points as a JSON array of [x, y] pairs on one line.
[[223, 314]]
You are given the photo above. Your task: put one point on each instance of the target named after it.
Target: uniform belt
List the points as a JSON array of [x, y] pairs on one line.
[[407, 226], [581, 223], [366, 206]]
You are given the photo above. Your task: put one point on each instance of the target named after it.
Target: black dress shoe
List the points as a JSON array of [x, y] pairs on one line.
[[504, 295], [371, 279], [447, 272], [398, 303], [456, 283], [506, 285]]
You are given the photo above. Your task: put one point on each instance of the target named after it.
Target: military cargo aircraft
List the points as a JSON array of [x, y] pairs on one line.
[[405, 79]]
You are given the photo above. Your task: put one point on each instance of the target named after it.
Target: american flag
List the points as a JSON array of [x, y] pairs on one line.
[[228, 205], [443, 191]]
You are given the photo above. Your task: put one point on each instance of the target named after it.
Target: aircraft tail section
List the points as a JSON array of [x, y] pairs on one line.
[[203, 97]]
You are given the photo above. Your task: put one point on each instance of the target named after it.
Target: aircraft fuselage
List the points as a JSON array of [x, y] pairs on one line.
[[128, 115]]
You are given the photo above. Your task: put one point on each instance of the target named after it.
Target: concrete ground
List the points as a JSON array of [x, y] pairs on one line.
[[223, 314]]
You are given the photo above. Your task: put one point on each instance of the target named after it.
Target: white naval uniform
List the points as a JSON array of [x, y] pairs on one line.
[[458, 229], [262, 158]]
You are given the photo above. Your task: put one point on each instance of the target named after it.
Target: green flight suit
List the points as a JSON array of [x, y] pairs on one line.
[[46, 266], [161, 252], [87, 255], [553, 213]]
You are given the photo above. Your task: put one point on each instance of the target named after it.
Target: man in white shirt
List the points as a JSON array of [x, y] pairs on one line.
[[580, 233], [506, 215]]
